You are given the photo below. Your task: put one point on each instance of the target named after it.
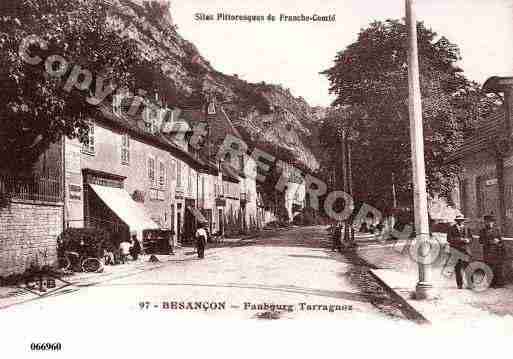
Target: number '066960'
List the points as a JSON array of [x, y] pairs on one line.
[[45, 346]]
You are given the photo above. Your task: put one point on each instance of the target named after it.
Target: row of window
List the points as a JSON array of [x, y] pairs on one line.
[[156, 168], [89, 146], [231, 189], [157, 174]]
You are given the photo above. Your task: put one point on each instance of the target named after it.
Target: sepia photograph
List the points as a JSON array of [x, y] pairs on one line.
[[216, 168]]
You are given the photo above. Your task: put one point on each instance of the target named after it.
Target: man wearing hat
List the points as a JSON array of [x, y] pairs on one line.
[[201, 239], [459, 238], [493, 250]]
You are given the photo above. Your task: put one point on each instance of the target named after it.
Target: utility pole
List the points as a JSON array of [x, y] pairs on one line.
[[347, 180], [424, 287], [394, 195], [344, 181], [349, 171], [343, 161], [349, 174]]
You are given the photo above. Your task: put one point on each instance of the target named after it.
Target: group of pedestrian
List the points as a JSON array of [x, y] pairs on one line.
[[459, 238], [127, 247], [339, 236]]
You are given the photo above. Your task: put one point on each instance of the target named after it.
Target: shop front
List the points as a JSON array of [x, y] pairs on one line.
[[109, 206]]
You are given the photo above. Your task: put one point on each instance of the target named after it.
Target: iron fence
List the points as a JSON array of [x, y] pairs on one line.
[[33, 188]]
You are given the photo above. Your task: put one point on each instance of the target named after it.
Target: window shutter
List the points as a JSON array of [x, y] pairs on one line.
[[162, 174]]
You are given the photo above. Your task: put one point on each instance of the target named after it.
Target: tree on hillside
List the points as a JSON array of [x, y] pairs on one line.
[[332, 130], [372, 75], [36, 108]]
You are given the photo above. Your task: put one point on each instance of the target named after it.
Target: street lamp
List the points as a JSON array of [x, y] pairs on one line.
[[424, 287]]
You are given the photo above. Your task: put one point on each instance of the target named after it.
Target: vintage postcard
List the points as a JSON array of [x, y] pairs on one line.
[[325, 166]]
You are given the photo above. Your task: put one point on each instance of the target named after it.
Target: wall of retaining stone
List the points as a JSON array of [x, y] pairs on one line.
[[28, 234]]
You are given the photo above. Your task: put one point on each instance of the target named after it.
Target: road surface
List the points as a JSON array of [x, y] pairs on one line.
[[284, 274]]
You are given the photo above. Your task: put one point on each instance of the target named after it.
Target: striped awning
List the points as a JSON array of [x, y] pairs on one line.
[[129, 211]]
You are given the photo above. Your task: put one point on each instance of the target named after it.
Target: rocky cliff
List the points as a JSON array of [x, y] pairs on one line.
[[263, 113]]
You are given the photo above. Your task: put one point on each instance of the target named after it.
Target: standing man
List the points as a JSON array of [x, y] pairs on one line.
[[169, 234], [493, 250], [459, 238], [336, 235], [201, 239], [136, 249]]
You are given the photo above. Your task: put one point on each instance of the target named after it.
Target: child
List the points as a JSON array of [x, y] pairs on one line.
[[124, 247]]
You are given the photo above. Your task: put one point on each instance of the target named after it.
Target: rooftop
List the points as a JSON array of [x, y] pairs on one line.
[[489, 128], [129, 124]]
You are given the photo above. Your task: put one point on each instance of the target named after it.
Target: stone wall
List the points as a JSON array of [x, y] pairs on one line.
[[28, 233]]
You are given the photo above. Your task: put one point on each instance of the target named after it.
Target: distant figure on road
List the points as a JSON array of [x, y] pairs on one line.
[[389, 226], [459, 238], [135, 249], [336, 236], [201, 240], [364, 227], [493, 250], [171, 242]]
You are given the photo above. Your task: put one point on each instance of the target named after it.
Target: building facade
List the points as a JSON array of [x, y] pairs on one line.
[[126, 178], [486, 159], [129, 178]]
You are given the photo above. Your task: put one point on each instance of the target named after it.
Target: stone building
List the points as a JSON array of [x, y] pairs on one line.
[[129, 178], [486, 159], [237, 190]]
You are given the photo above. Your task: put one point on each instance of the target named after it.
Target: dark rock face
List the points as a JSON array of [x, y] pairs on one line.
[[263, 113]]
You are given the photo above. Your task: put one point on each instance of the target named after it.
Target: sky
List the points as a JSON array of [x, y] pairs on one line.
[[293, 54]]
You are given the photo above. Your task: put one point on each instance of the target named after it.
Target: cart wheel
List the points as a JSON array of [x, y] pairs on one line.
[[64, 263], [91, 265]]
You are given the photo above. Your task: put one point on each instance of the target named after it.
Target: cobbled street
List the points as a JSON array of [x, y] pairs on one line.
[[283, 268]]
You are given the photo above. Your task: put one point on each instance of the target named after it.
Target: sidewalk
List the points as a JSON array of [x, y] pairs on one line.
[[11, 295], [399, 273]]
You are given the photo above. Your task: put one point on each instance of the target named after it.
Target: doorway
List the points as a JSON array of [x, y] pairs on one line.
[[189, 220], [179, 226], [221, 221]]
